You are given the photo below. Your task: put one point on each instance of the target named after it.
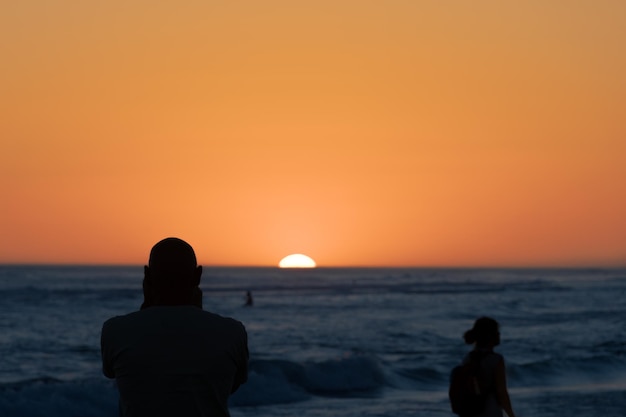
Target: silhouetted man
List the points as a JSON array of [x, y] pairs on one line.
[[172, 358]]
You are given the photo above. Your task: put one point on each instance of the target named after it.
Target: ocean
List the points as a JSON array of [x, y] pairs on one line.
[[332, 342]]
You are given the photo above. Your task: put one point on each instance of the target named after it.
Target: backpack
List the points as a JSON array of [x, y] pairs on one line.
[[467, 391]]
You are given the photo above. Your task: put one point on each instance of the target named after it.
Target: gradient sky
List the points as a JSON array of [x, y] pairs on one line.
[[371, 133]]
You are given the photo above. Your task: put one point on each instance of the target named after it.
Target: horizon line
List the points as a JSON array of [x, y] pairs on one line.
[[204, 265]]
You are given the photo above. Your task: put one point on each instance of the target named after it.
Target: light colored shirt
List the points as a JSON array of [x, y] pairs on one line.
[[174, 361]]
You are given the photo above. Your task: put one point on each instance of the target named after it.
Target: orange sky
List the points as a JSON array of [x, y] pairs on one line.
[[370, 133]]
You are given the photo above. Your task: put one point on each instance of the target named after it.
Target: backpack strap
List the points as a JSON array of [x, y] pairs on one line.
[[477, 359]]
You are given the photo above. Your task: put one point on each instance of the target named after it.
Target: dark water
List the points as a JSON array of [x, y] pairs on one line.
[[332, 342]]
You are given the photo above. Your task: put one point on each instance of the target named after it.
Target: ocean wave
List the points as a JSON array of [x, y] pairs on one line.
[[274, 381], [50, 397], [563, 370], [269, 382], [281, 381], [556, 371]]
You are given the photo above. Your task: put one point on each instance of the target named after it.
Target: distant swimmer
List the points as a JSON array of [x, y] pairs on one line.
[[249, 300]]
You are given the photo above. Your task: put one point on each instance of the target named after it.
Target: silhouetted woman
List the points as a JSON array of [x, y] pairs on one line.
[[485, 335]]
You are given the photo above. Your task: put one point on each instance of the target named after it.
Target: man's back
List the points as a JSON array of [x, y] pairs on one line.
[[174, 361]]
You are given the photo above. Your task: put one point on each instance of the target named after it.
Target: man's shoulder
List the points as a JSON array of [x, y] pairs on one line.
[[214, 316], [116, 323], [186, 313], [222, 321], [122, 318]]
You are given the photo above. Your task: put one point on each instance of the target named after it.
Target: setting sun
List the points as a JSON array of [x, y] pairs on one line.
[[297, 260]]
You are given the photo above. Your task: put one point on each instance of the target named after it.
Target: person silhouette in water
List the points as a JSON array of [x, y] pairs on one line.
[[172, 358], [485, 335], [249, 301]]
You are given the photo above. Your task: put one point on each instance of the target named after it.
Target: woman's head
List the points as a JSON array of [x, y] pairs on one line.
[[485, 333]]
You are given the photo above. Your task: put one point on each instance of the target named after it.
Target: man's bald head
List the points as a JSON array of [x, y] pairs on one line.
[[173, 264]]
